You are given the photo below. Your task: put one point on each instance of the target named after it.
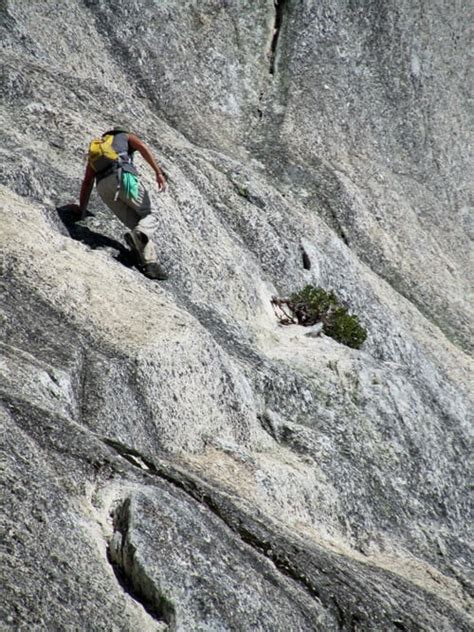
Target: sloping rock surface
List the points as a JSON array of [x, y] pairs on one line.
[[172, 458]]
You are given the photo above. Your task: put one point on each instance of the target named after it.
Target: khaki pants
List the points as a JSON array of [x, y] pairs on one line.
[[134, 213]]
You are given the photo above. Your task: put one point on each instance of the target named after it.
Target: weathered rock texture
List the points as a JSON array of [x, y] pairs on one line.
[[174, 459]]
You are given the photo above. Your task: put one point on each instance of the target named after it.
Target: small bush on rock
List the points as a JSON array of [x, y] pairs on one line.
[[312, 305]]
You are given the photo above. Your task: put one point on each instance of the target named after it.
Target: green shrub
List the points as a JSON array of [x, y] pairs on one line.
[[313, 304]]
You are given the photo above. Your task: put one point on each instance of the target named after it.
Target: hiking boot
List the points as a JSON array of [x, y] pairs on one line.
[[154, 271]]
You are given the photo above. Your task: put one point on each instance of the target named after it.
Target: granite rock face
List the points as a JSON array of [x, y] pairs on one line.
[[172, 458]]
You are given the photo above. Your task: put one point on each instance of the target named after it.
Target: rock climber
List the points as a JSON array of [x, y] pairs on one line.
[[110, 165]]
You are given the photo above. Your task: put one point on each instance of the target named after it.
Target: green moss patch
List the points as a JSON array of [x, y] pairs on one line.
[[313, 305]]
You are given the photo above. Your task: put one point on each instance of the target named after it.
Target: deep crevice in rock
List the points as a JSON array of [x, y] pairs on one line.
[[305, 258], [131, 576], [279, 11], [127, 587]]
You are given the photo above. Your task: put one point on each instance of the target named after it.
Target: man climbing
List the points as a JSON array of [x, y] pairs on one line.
[[110, 165]]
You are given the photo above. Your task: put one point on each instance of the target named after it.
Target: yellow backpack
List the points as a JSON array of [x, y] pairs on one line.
[[102, 155]]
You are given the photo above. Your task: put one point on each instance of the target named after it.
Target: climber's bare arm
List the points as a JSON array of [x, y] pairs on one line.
[[138, 145], [86, 188]]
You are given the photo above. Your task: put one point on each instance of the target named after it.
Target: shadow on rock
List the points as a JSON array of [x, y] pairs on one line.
[[90, 238]]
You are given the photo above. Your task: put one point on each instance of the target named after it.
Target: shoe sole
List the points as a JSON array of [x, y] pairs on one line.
[[159, 277]]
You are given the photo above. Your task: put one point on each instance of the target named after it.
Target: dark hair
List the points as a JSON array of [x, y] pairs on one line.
[[115, 130]]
